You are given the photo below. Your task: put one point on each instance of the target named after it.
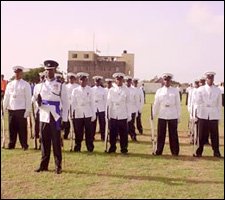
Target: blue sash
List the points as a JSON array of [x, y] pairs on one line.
[[57, 110]]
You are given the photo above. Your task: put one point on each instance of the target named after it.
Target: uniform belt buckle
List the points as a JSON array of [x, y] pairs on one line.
[[167, 105]]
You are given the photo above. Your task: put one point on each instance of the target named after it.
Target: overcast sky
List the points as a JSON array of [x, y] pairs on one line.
[[183, 38]]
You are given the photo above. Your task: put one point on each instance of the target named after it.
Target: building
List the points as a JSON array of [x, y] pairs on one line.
[[106, 66]]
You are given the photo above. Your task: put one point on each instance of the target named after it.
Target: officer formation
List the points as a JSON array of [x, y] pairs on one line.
[[75, 108]]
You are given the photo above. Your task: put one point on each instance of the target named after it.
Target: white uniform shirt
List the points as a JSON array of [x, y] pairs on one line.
[[133, 99], [100, 98], [209, 102], [83, 102], [17, 96], [167, 103], [221, 89], [56, 92], [37, 89], [118, 103], [140, 98], [192, 102]]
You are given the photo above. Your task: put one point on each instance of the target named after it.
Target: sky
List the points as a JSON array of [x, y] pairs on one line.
[[185, 38]]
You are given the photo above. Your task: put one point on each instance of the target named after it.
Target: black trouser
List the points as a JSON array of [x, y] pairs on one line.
[[186, 102], [17, 124], [66, 129], [81, 125], [118, 127], [173, 136], [131, 127], [139, 123], [213, 129], [101, 118], [49, 134], [223, 100], [180, 96], [37, 125]]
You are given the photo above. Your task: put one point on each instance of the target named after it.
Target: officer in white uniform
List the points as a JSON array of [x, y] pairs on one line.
[[53, 105], [17, 100], [100, 98], [140, 105], [70, 86], [208, 114], [133, 107], [109, 82], [118, 102], [192, 106], [84, 113], [36, 91], [167, 106]]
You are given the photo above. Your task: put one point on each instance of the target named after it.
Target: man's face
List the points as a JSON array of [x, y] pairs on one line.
[[210, 80], [119, 80], [83, 81], [129, 82], [50, 73], [167, 81], [98, 82], [18, 73]]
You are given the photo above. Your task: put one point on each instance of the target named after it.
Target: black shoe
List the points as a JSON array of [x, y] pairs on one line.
[[76, 149], [197, 155], [156, 154], [111, 151], [25, 148], [218, 155], [58, 171], [124, 151], [40, 170]]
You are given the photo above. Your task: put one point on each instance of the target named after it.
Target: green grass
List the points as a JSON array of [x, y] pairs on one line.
[[100, 175]]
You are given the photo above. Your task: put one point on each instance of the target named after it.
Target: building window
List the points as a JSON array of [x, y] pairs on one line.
[[86, 56], [74, 55]]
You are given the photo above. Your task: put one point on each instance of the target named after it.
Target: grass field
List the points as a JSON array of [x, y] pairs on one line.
[[100, 175]]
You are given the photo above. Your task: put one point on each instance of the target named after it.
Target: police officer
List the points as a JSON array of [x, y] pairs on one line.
[[84, 113], [53, 105], [133, 107], [37, 89], [100, 98], [167, 106], [118, 102], [109, 82], [140, 105], [208, 114], [17, 100], [192, 107], [70, 86]]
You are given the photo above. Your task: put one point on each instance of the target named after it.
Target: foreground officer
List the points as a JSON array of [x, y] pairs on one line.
[[17, 100], [167, 106], [52, 101], [118, 101], [208, 113]]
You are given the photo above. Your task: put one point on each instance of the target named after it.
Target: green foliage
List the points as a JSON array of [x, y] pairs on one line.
[[33, 75]]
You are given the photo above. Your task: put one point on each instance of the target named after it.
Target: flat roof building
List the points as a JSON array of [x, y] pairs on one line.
[[106, 66]]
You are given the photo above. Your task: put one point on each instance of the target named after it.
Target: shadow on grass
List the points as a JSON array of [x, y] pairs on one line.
[[146, 156], [166, 180]]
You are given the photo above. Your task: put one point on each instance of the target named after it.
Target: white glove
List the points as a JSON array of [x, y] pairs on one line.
[[26, 114], [93, 118]]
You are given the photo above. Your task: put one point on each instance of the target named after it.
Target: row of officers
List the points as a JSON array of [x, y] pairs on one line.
[[120, 104]]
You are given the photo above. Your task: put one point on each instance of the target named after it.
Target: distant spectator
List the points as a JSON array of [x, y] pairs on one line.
[[3, 86], [143, 89], [221, 87]]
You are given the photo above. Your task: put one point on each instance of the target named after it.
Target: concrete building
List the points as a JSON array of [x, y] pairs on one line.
[[106, 66]]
